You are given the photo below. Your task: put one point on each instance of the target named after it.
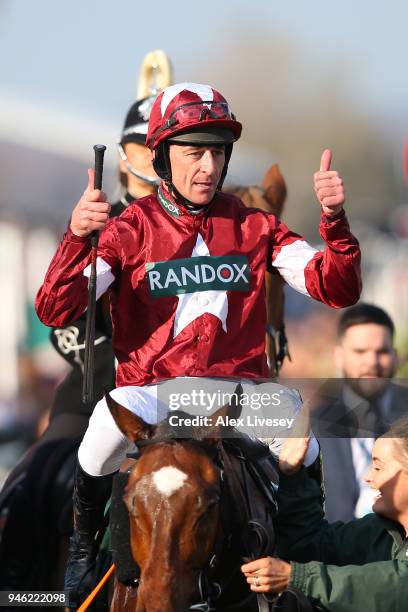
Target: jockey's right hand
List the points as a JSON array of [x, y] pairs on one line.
[[92, 211]]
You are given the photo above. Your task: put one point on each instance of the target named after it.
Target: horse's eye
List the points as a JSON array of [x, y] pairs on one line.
[[205, 502], [130, 503]]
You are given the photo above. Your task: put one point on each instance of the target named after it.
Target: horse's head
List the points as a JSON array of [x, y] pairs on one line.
[[173, 497]]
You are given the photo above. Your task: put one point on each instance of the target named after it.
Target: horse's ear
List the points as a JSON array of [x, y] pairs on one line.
[[275, 189], [129, 424], [232, 410]]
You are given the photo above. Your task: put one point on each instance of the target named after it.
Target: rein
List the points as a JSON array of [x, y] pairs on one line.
[[233, 488]]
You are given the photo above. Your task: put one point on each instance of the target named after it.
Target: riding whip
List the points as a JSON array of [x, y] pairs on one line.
[[88, 601], [87, 387]]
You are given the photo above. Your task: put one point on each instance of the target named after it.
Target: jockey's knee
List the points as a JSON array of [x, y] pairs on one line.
[[104, 446], [99, 465]]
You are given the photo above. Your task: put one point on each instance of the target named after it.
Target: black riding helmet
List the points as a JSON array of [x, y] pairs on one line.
[[135, 130]]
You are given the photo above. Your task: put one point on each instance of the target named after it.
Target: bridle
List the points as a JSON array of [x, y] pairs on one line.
[[233, 489]]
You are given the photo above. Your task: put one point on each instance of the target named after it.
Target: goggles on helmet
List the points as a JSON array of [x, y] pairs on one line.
[[194, 113], [199, 111]]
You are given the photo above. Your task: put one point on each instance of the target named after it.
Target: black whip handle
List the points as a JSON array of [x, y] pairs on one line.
[[87, 387]]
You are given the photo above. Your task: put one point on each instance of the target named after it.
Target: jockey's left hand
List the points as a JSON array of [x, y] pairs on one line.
[[295, 447], [328, 186], [271, 574]]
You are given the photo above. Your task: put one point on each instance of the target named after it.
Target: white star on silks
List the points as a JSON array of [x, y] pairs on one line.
[[193, 305]]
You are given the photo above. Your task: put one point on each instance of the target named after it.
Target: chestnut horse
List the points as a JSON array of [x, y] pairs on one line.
[[270, 197], [185, 504]]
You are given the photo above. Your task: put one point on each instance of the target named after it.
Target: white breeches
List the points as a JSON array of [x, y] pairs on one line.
[[104, 446]]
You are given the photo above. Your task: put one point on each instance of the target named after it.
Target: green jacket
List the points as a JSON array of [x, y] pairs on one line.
[[360, 566]]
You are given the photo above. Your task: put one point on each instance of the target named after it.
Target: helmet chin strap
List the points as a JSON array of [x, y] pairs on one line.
[[150, 180]]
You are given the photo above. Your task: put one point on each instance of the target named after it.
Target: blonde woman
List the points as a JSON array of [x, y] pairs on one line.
[[344, 567]]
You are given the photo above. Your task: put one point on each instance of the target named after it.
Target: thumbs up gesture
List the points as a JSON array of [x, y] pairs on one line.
[[92, 211], [328, 186]]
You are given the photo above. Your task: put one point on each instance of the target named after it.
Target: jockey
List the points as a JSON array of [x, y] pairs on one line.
[[185, 272]]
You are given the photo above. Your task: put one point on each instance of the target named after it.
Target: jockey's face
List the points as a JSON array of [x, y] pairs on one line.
[[196, 171]]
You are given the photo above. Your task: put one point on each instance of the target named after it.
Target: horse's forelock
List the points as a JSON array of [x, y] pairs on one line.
[[167, 431]]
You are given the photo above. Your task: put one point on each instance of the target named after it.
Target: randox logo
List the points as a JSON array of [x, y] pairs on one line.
[[168, 206], [228, 273]]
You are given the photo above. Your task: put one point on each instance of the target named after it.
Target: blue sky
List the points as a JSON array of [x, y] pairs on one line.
[[83, 55]]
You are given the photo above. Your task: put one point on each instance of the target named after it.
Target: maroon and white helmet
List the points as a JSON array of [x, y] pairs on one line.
[[199, 112]]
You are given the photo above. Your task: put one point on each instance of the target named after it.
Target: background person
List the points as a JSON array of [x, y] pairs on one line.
[[366, 402]]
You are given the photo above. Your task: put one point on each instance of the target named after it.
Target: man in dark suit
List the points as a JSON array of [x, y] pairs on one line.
[[356, 409]]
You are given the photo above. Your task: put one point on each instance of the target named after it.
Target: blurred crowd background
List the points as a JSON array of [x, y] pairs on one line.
[[300, 76]]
